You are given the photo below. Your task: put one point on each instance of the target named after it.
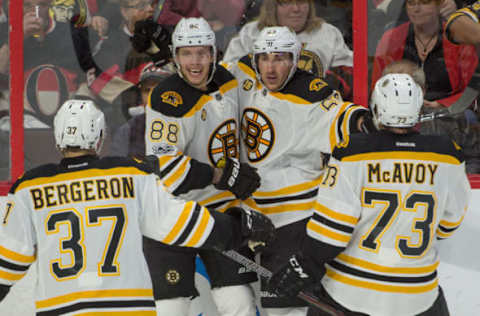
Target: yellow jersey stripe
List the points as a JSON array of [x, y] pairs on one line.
[[187, 210], [11, 276], [289, 190], [204, 99], [200, 229], [384, 269], [125, 313], [405, 155], [381, 287], [307, 206], [93, 294], [290, 97], [446, 224], [217, 197], [180, 170], [327, 232], [164, 160], [74, 175], [12, 255], [335, 215], [443, 234], [333, 127], [247, 70], [228, 86]]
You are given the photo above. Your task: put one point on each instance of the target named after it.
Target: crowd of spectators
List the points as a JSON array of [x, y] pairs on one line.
[[84, 47]]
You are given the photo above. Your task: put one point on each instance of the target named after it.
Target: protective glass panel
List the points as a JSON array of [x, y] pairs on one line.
[[4, 96]]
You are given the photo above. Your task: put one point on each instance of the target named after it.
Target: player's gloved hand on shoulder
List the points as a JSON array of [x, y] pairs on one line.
[[239, 178], [367, 125], [294, 276], [256, 228]]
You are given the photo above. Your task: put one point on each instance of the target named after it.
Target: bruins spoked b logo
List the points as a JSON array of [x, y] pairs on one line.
[[223, 142], [257, 133], [172, 276]]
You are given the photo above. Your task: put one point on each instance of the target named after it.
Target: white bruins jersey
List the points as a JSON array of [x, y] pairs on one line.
[[285, 135], [323, 48], [386, 198], [185, 125], [81, 224]]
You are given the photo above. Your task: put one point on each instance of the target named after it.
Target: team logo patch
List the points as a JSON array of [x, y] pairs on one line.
[[172, 276], [223, 142], [317, 85], [309, 61], [203, 116], [172, 98], [258, 134], [247, 85]]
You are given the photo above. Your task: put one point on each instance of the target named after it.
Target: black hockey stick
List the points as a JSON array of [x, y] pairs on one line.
[[466, 99], [264, 272]]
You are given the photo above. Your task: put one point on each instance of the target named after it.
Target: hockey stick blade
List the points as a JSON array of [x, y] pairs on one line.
[[466, 99], [265, 273]]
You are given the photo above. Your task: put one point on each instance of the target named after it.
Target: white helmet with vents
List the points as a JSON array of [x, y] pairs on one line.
[[277, 39], [193, 32], [396, 101], [79, 124]]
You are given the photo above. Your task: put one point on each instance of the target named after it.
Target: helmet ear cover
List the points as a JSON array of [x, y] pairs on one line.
[[396, 101], [277, 39], [79, 124]]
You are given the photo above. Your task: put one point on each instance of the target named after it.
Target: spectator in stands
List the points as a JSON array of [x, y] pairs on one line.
[[323, 45], [448, 67], [52, 73], [129, 139]]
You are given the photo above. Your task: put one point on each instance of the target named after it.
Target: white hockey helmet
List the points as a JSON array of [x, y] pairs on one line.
[[396, 101], [277, 39], [78, 123], [193, 32]]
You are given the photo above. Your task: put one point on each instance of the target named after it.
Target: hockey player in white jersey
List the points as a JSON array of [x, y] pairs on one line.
[[80, 223], [386, 199], [290, 120], [192, 125]]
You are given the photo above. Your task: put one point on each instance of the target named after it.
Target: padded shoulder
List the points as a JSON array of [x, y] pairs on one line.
[[383, 142], [308, 87], [174, 97]]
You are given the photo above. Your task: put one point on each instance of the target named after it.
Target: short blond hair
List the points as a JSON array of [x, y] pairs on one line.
[[268, 16], [405, 66]]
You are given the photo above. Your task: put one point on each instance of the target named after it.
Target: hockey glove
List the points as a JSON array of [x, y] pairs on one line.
[[256, 228], [238, 178], [296, 275], [368, 126], [147, 32]]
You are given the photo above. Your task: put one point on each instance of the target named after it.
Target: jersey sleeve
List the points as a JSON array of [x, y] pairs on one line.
[[17, 241], [172, 220], [457, 203], [179, 172], [337, 209]]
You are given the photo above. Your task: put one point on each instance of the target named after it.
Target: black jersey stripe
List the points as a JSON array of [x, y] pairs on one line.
[[325, 221], [447, 230], [189, 228], [170, 167], [216, 205], [303, 196], [384, 278], [12, 266], [97, 305]]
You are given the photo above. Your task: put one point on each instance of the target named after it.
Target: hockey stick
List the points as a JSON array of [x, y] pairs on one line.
[[264, 272], [466, 99]]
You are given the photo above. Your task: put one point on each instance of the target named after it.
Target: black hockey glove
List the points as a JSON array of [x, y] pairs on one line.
[[256, 228], [294, 276], [147, 32], [238, 178]]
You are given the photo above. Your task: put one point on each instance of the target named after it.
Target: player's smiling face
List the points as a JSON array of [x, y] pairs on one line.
[[195, 62], [274, 69]]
